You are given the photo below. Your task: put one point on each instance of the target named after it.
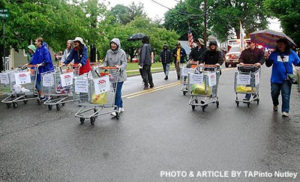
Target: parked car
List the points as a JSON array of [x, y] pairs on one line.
[[232, 57]]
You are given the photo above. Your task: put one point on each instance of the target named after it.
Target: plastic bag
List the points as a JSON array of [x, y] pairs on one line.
[[199, 89], [100, 99]]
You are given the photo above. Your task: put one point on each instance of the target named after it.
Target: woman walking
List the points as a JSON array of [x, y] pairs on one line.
[[282, 60], [116, 57]]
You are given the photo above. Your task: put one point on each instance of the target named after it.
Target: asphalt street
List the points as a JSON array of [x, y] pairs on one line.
[[157, 132]]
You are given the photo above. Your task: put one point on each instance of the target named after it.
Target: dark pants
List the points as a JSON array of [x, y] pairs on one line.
[[285, 89], [147, 76], [118, 100]]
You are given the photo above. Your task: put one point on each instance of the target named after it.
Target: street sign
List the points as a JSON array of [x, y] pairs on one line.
[[4, 15], [4, 11]]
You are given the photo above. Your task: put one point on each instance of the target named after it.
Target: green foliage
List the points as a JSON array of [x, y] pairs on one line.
[[288, 12]]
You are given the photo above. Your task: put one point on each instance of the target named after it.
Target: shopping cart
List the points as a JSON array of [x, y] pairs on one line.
[[5, 82], [57, 87], [96, 95], [246, 81], [203, 86], [184, 77], [22, 85]]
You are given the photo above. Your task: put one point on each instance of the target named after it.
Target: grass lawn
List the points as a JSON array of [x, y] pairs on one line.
[[133, 68]]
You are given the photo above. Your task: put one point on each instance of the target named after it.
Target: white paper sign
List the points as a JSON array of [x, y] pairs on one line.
[[283, 59], [4, 78], [66, 79], [257, 77], [81, 85], [48, 80], [243, 79], [12, 77], [196, 78], [185, 71], [212, 79], [102, 85], [22, 78]]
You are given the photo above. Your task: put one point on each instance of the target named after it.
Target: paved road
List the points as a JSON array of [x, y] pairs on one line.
[[158, 132]]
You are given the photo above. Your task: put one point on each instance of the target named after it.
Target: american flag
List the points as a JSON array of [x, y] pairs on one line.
[[190, 39]]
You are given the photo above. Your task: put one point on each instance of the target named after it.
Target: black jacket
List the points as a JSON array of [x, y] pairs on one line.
[[213, 57], [145, 55], [250, 56], [197, 53], [166, 56], [182, 55]]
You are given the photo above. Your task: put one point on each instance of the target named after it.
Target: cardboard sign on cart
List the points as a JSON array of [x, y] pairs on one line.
[[196, 78], [22, 78], [4, 78], [257, 78], [185, 71], [102, 85], [81, 85], [66, 79], [212, 79], [243, 79], [48, 80]]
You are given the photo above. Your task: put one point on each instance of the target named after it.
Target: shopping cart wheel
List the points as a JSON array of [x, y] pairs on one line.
[[93, 119], [8, 105], [63, 104], [184, 92], [25, 101], [57, 107], [15, 105], [237, 103], [39, 102], [82, 120], [50, 107], [117, 115], [193, 107], [203, 108], [257, 101], [217, 103], [248, 104]]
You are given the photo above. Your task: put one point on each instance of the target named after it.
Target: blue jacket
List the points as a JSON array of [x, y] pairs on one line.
[[42, 56], [282, 67], [182, 55], [77, 57]]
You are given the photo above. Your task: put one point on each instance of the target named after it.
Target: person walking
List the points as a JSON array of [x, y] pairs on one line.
[[69, 47], [213, 56], [166, 59], [282, 60], [145, 62], [116, 57], [43, 62], [197, 53], [179, 58], [30, 52], [80, 56], [252, 55]]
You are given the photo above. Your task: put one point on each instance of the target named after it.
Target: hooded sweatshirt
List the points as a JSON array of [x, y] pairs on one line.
[[117, 57], [42, 56], [213, 57]]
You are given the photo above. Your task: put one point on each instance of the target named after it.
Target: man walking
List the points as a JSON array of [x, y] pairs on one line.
[[146, 59], [166, 59], [179, 57], [198, 52]]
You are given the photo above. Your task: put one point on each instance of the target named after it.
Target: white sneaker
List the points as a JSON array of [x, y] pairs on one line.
[[114, 113], [285, 114], [121, 109], [275, 108]]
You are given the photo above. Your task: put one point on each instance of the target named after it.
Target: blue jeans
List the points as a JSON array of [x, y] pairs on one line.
[[285, 89], [118, 99], [166, 67]]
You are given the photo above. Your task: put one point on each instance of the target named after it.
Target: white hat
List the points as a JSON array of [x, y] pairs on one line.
[[79, 39]]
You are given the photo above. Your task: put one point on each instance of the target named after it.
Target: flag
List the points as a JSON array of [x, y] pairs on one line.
[[242, 41], [190, 39]]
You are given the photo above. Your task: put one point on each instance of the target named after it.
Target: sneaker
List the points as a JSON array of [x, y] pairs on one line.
[[166, 78], [275, 108], [114, 114], [151, 86], [178, 77], [121, 109], [146, 88], [285, 114]]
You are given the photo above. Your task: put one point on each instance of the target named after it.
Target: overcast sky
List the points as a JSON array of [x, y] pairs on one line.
[[155, 11]]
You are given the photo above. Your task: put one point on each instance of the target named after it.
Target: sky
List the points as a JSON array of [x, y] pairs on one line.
[[155, 11]]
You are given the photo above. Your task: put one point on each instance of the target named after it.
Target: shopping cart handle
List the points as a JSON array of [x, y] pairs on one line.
[[109, 67], [247, 65], [210, 66]]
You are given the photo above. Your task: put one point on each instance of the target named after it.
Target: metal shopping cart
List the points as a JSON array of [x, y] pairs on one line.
[[57, 87], [246, 81], [21, 83], [96, 95], [184, 77], [203, 86]]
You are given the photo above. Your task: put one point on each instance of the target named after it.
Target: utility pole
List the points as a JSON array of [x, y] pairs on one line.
[[205, 22]]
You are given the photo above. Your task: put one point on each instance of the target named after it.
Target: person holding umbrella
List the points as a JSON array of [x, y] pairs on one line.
[[80, 56], [145, 62], [282, 60]]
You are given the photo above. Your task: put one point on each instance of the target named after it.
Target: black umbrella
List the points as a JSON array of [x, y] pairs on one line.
[[137, 36]]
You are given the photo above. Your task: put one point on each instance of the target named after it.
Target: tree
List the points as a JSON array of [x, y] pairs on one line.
[[288, 12]]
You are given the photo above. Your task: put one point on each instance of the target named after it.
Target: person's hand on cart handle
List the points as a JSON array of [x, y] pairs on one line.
[[257, 64]]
